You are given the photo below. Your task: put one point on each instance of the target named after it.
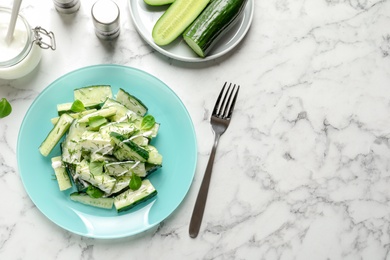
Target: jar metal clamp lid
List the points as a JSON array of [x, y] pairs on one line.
[[40, 34]]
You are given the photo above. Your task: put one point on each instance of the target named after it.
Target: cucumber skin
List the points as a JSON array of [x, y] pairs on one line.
[[214, 22], [168, 27]]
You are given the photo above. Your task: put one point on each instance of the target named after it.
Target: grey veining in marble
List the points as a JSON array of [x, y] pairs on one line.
[[303, 171]]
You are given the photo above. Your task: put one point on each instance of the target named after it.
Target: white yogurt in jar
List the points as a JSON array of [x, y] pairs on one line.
[[21, 56]]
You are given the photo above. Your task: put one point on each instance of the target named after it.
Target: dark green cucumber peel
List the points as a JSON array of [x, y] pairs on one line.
[[134, 151], [212, 24]]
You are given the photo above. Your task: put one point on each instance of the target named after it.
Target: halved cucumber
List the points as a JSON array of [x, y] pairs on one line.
[[176, 19], [56, 134], [218, 17]]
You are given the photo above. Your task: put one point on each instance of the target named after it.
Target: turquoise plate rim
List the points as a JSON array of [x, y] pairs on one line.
[[172, 181]]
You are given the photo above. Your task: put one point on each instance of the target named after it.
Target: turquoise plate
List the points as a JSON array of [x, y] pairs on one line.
[[176, 141]]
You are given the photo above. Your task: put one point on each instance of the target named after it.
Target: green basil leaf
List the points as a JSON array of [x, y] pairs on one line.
[[147, 122], [96, 168], [94, 192], [5, 108], [135, 182], [95, 122], [77, 106]]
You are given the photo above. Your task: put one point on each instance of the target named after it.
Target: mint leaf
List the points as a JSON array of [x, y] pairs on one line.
[[77, 106], [94, 192], [135, 182], [147, 122], [5, 108]]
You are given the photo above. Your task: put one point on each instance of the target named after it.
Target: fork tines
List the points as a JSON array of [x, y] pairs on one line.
[[224, 106]]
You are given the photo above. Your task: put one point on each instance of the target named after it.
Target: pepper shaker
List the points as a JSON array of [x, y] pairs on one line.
[[67, 6], [105, 16]]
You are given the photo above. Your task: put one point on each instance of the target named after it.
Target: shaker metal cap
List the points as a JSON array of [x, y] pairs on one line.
[[67, 6], [105, 15]]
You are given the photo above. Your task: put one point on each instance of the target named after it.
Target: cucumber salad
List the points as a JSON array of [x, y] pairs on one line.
[[106, 150]]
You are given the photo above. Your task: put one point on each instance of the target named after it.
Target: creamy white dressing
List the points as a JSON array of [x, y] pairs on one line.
[[56, 164], [104, 147]]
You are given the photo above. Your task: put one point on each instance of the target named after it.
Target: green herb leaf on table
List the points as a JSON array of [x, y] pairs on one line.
[[147, 122], [77, 106], [5, 108], [135, 182]]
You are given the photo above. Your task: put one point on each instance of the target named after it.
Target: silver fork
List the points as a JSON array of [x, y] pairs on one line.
[[220, 119]]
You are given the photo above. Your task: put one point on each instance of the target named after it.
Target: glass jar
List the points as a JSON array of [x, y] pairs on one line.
[[23, 54]]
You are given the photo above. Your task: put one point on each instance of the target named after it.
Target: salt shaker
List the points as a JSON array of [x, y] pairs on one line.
[[67, 6], [105, 16]]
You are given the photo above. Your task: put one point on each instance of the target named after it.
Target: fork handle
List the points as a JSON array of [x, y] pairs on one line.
[[197, 214]]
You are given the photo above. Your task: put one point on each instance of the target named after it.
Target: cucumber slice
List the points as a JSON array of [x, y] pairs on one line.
[[123, 128], [125, 168], [71, 150], [129, 198], [96, 143], [122, 113], [154, 156], [176, 19], [140, 140], [121, 184], [77, 115], [214, 22], [103, 181], [93, 95], [104, 112], [62, 176], [81, 185], [150, 168], [130, 150], [158, 2], [98, 157], [55, 134], [104, 203], [66, 108], [131, 102]]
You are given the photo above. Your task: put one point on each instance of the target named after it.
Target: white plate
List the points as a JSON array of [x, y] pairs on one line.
[[144, 18]]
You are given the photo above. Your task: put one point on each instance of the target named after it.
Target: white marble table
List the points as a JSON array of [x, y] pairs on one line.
[[303, 172]]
